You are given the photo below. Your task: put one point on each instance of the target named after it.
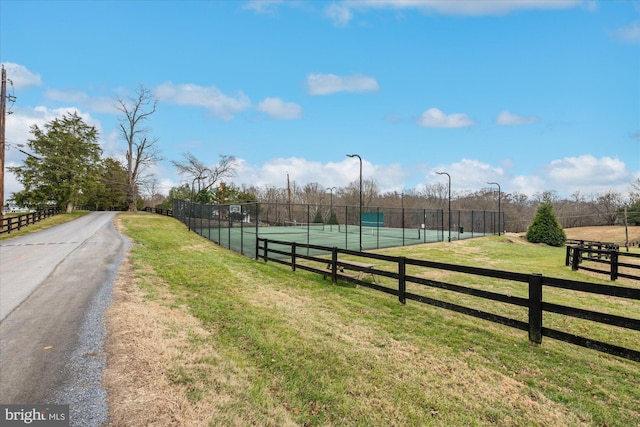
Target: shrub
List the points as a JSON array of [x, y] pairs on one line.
[[545, 227], [333, 219], [318, 218]]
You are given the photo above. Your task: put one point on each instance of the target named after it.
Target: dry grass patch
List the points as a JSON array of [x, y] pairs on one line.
[[612, 234], [162, 368]]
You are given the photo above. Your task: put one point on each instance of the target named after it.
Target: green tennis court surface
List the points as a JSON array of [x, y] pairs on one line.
[[243, 239]]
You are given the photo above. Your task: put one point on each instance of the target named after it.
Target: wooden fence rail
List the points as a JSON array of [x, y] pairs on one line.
[[290, 253], [166, 212], [612, 258], [12, 223]]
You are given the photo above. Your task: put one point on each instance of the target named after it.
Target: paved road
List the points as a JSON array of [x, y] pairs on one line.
[[48, 281]]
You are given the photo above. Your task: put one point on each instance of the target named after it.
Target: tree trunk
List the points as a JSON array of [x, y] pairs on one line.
[[69, 207], [132, 196]]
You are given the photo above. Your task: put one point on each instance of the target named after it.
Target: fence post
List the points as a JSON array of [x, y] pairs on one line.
[[402, 283], [257, 248], [535, 308], [567, 258], [614, 264], [266, 250], [293, 256], [334, 264], [575, 260]]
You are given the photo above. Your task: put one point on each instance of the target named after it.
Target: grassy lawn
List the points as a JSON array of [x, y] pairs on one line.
[[203, 336]]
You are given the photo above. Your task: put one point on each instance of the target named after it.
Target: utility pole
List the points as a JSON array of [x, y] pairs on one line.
[[3, 110]]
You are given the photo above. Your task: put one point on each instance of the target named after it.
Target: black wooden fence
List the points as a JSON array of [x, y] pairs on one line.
[[166, 212], [605, 255], [13, 223], [291, 254]]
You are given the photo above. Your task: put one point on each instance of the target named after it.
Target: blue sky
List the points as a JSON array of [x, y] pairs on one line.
[[536, 95]]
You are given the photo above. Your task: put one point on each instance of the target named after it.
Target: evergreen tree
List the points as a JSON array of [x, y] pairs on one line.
[[333, 218], [318, 218], [111, 191], [633, 214], [545, 227], [64, 167]]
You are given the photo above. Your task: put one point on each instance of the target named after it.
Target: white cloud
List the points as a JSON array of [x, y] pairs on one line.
[[528, 185], [341, 13], [110, 143], [325, 84], [211, 98], [505, 118], [278, 109], [587, 170], [262, 6], [98, 104], [332, 174], [20, 76], [468, 174], [628, 34], [434, 118], [11, 183], [585, 173], [393, 118]]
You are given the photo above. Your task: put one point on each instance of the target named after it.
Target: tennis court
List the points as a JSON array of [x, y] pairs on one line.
[[243, 239], [238, 226]]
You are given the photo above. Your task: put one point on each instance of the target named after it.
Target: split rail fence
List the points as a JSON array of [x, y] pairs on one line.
[[334, 264], [606, 255], [13, 223]]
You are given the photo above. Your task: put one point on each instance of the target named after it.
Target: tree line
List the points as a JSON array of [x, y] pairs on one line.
[[610, 208], [66, 169]]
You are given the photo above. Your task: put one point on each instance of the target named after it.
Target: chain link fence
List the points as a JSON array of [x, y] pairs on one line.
[[236, 226]]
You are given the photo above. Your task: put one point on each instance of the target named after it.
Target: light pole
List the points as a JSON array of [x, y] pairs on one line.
[[360, 158], [331, 208], [444, 173], [499, 225]]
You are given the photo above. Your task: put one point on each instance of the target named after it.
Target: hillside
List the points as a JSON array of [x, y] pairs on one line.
[[199, 335]]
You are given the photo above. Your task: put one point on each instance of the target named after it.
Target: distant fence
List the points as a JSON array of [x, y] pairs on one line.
[[14, 223], [166, 212], [236, 226], [289, 253], [602, 254]]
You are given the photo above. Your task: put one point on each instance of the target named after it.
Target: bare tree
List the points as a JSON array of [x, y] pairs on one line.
[[313, 193], [608, 206], [142, 150], [152, 195], [634, 192], [370, 191], [206, 176], [193, 169], [436, 195]]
